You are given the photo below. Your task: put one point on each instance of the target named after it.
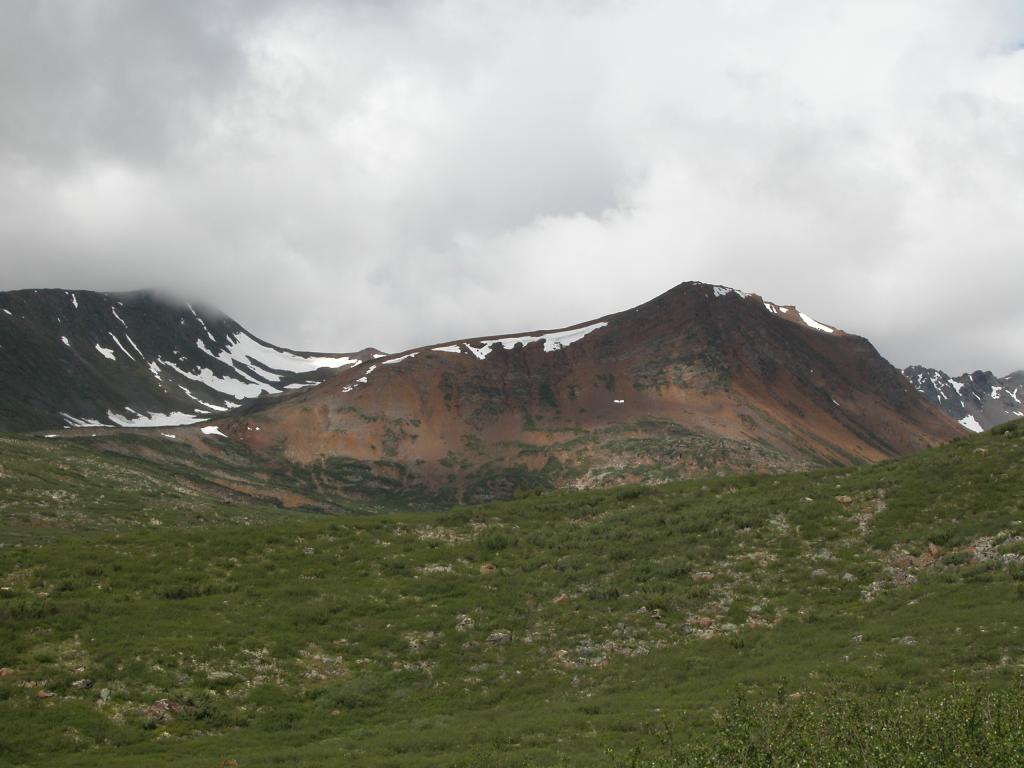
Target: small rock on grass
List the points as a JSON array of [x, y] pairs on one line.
[[500, 637]]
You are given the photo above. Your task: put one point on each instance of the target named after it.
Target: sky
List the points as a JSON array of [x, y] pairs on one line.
[[336, 175]]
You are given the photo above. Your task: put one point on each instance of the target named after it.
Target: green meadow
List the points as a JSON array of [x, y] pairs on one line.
[[847, 616]]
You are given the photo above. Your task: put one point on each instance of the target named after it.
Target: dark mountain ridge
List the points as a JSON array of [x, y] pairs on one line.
[[84, 358]]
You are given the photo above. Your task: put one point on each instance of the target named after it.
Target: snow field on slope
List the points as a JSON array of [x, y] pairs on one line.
[[971, 423], [552, 341], [242, 346], [173, 419]]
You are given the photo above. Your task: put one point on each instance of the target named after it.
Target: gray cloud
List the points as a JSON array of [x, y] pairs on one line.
[[338, 175]]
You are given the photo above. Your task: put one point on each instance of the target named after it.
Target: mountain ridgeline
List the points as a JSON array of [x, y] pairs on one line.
[[701, 380], [82, 358]]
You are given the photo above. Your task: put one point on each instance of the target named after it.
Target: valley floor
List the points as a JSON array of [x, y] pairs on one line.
[[870, 614]]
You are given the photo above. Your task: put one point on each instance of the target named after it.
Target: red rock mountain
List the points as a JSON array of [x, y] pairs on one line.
[[702, 379]]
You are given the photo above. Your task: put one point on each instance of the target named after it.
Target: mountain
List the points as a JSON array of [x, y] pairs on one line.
[[81, 358], [978, 400], [701, 380]]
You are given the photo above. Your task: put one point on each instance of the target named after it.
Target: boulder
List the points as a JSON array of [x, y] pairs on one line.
[[162, 711], [500, 637]]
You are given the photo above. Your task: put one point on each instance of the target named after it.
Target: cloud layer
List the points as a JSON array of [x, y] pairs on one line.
[[391, 174]]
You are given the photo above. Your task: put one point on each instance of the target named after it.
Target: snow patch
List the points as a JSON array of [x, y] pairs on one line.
[[235, 388], [8, 313], [212, 407], [197, 317], [971, 423], [808, 320], [451, 348], [248, 350], [114, 310], [552, 341], [73, 421], [136, 346], [212, 431], [74, 300], [618, 402], [66, 342], [394, 360], [118, 342], [174, 419], [724, 290], [107, 353], [563, 339]]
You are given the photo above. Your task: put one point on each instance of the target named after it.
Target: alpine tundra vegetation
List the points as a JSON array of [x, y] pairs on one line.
[[833, 617]]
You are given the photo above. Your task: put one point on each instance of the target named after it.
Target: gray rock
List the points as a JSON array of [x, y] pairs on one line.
[[500, 637]]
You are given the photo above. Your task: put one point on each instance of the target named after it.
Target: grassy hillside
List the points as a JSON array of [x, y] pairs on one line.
[[49, 487], [704, 622]]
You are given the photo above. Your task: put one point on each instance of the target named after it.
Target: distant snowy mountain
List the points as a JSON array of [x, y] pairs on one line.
[[81, 358], [977, 400]]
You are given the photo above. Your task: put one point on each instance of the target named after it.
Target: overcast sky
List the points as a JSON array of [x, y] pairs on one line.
[[336, 175]]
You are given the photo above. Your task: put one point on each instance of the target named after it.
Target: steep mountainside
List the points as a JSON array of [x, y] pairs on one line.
[[977, 400], [80, 358], [701, 380]]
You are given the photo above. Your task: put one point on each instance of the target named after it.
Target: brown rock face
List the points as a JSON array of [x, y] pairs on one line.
[[700, 380]]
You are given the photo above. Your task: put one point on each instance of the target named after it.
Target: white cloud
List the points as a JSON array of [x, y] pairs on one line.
[[337, 176]]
